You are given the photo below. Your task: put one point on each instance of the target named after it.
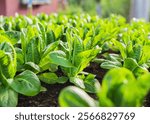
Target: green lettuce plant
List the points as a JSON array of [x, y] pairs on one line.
[[26, 83], [74, 57]]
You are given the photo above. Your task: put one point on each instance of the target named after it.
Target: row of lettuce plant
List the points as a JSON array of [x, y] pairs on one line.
[[34, 48]]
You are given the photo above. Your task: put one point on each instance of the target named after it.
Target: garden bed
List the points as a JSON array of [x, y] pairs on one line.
[[74, 60], [49, 98]]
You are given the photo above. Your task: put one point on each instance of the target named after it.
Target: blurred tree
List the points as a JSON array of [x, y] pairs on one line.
[[75, 2], [73, 6], [121, 7], [89, 6]]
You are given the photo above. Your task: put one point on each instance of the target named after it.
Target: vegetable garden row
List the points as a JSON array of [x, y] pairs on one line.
[[55, 49]]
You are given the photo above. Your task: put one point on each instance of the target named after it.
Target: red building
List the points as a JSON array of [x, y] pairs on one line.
[[10, 7]]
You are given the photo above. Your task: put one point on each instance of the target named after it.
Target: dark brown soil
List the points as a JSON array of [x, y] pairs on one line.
[[147, 100], [48, 98], [94, 68]]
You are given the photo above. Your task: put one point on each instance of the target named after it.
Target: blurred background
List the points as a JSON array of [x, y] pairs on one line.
[[103, 8]]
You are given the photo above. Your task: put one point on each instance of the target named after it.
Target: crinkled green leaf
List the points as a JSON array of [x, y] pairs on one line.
[[32, 51], [20, 59], [146, 54], [49, 48], [130, 64], [7, 59], [50, 37], [14, 36]]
